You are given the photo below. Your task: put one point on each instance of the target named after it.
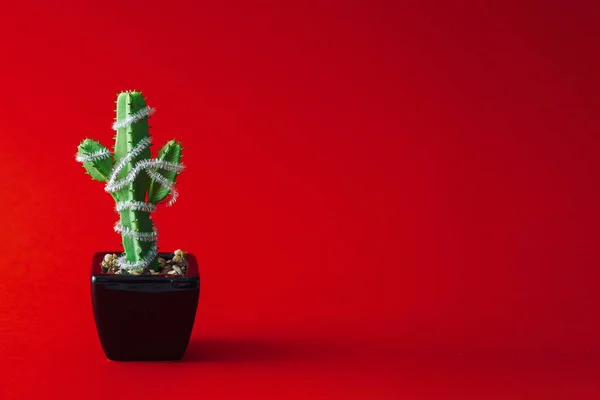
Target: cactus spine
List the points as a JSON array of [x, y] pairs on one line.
[[136, 181]]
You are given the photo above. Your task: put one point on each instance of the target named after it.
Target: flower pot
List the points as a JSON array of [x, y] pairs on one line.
[[144, 317]]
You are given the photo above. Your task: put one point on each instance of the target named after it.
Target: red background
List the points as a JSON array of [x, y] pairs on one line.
[[386, 198]]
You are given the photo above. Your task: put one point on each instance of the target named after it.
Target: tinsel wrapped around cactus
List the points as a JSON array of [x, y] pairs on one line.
[[136, 181]]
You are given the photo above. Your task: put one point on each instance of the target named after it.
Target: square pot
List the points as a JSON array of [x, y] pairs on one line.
[[141, 317]]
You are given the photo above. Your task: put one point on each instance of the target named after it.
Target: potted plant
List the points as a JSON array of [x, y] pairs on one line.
[[144, 302]]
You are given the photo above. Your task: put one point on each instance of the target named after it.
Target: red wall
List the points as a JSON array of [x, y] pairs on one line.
[[426, 173]]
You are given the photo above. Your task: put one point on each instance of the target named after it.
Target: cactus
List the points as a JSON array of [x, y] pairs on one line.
[[136, 181]]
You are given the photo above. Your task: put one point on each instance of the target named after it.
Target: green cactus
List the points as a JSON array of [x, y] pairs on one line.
[[136, 181]]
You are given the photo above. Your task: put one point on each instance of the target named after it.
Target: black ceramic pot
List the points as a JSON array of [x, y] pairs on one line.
[[145, 318]]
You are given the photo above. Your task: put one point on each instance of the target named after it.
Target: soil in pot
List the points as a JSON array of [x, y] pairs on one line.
[[175, 264]]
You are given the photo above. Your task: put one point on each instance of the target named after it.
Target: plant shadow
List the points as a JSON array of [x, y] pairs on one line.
[[258, 350]]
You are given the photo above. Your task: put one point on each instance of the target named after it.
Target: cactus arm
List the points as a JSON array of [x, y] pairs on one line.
[[162, 182], [96, 159]]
